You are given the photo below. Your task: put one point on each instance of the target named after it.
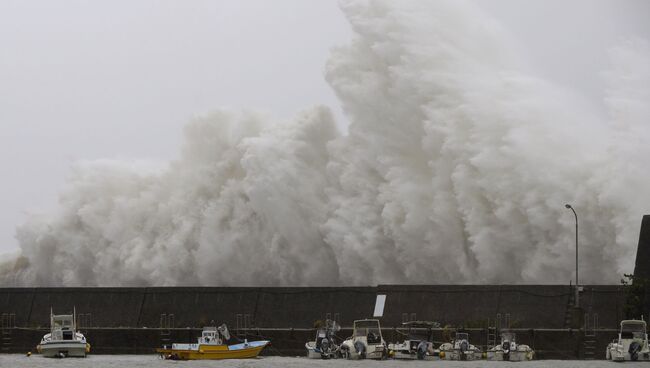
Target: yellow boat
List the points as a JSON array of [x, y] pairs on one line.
[[212, 345]]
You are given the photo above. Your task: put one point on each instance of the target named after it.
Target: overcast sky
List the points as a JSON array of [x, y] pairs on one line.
[[119, 79]]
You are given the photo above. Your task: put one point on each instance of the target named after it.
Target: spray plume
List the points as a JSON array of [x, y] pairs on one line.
[[455, 169]]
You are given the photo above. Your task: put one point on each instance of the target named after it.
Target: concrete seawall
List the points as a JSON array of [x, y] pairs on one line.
[[528, 306], [136, 320]]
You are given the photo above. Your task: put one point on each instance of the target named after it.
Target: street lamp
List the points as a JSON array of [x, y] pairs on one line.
[[577, 287]]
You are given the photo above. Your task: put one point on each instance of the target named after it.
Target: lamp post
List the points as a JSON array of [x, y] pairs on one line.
[[577, 287]]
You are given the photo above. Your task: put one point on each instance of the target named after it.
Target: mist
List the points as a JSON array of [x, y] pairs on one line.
[[455, 168]]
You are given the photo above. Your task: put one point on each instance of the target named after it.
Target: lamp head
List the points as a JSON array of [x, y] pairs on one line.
[[567, 205]]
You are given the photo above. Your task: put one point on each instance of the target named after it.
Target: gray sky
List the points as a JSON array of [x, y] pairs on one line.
[[119, 79]]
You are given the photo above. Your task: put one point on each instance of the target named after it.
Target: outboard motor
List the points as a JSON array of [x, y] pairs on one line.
[[464, 346], [325, 348], [344, 352], [634, 350], [421, 351], [320, 336], [506, 350], [360, 347], [326, 339]]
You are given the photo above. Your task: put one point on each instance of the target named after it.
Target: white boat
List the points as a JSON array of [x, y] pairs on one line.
[[366, 341], [460, 349], [418, 343], [325, 345], [632, 343], [63, 340], [509, 350]]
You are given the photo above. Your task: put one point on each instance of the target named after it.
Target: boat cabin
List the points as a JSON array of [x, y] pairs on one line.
[[633, 329], [62, 327], [368, 328], [212, 335]]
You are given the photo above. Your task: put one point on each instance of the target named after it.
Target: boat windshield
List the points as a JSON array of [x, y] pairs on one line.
[[633, 330], [58, 323], [363, 328], [462, 336]]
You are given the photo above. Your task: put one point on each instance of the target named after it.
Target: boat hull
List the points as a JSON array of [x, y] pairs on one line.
[[377, 352], [63, 349], [514, 356], [460, 355], [213, 352], [404, 351], [408, 356], [311, 351], [624, 356]]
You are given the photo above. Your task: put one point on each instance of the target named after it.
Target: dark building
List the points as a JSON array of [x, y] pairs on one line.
[[642, 264]]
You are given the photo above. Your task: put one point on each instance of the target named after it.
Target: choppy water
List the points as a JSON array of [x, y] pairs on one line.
[[105, 361]]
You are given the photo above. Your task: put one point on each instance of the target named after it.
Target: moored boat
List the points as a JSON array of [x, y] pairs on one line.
[[418, 343], [632, 343], [366, 341], [460, 349], [325, 346], [214, 344], [510, 350], [63, 340]]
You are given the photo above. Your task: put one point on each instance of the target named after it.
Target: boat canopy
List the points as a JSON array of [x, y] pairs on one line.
[[633, 329]]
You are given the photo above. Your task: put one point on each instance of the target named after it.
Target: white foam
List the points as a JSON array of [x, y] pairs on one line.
[[456, 169]]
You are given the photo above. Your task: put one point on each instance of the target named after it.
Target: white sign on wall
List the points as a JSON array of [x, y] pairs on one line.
[[379, 306]]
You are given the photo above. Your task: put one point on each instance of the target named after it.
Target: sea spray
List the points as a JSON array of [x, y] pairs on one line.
[[455, 169]]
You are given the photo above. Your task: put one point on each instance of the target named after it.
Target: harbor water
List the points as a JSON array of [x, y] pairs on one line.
[[146, 361]]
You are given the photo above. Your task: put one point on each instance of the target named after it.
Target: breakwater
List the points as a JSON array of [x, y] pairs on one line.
[[137, 320]]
